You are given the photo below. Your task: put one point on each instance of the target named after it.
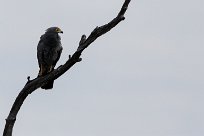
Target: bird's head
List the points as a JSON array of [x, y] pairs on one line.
[[54, 30]]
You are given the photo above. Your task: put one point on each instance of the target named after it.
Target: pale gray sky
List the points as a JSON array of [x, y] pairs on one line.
[[143, 78]]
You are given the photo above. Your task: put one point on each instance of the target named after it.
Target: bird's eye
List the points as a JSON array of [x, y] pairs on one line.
[[57, 30]]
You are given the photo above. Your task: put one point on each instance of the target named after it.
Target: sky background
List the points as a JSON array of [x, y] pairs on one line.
[[143, 78]]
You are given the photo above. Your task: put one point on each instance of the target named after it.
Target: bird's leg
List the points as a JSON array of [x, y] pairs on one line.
[[50, 68], [41, 70]]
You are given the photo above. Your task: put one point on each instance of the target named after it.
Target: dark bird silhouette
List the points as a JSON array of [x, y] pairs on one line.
[[48, 53]]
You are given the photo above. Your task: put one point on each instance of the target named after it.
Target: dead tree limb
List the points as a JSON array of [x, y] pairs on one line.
[[34, 84]]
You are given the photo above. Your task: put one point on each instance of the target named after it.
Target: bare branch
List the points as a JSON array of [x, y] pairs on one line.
[[34, 84]]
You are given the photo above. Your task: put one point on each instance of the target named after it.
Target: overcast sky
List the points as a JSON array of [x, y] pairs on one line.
[[143, 78]]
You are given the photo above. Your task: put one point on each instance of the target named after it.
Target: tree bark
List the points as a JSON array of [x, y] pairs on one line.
[[34, 84]]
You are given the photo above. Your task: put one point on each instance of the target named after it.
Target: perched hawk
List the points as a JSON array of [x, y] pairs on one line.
[[48, 52]]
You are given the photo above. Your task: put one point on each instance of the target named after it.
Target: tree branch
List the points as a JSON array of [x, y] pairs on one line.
[[34, 84]]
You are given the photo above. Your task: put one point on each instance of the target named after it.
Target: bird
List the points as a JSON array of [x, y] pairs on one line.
[[49, 50]]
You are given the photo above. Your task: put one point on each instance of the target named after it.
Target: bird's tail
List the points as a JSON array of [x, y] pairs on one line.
[[49, 85]]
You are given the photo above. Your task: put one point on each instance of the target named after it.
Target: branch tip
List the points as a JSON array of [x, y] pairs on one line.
[[28, 78], [80, 59], [122, 18], [83, 39], [83, 36]]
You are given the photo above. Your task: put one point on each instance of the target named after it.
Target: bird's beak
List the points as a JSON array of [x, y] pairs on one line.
[[59, 31]]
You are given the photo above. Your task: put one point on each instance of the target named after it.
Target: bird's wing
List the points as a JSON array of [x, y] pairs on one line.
[[40, 54], [59, 51]]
